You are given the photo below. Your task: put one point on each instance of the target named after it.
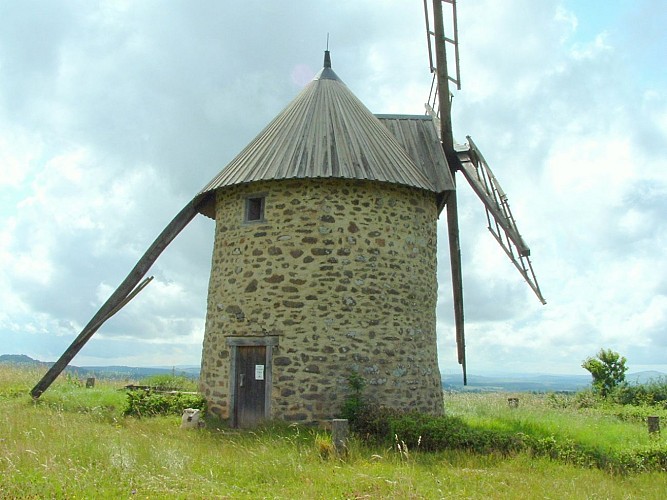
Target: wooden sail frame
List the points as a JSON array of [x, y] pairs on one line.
[[474, 168]]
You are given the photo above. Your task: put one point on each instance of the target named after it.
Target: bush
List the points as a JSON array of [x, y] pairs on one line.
[[170, 383], [431, 433], [651, 393], [560, 401], [650, 459], [373, 422], [587, 399], [149, 404], [441, 433], [631, 413], [569, 451], [354, 402]]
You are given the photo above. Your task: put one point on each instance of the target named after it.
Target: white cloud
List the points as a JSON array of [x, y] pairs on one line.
[[115, 114], [559, 126]]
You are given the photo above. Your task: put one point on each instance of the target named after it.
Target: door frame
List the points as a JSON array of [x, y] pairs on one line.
[[234, 343]]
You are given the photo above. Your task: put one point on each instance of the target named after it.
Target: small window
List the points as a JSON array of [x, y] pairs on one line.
[[254, 208]]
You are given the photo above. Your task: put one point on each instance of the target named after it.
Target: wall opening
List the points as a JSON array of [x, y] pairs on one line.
[[254, 208]]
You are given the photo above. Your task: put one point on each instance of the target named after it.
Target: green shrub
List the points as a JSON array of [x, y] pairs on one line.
[[144, 403], [568, 451], [442, 433], [651, 459], [658, 388], [353, 403], [650, 393], [631, 413], [373, 422], [170, 383], [432, 433], [587, 399], [438, 433], [560, 401]]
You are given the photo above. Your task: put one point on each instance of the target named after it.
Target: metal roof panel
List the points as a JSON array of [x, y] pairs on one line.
[[327, 132], [418, 135]]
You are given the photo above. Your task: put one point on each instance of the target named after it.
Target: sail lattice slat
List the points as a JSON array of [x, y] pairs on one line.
[[499, 215]]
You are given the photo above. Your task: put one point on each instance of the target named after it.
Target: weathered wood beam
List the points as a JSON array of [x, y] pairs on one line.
[[447, 139], [446, 134], [457, 280], [124, 291]]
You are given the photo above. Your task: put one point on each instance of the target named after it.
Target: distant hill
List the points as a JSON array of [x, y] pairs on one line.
[[113, 372], [517, 383], [476, 383], [19, 359], [129, 372], [645, 377], [535, 382]]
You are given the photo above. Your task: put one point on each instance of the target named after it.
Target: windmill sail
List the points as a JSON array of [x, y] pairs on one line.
[[440, 100], [501, 222], [457, 281], [470, 162], [453, 41]]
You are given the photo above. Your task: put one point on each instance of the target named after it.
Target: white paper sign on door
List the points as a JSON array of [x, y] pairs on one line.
[[259, 372]]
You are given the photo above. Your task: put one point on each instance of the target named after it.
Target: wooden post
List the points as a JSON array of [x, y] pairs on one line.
[[90, 382], [340, 432], [653, 425], [513, 402]]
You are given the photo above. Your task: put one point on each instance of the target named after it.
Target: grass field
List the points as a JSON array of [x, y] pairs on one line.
[[75, 443], [538, 415]]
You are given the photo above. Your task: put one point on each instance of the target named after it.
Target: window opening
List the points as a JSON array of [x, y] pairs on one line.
[[254, 208]]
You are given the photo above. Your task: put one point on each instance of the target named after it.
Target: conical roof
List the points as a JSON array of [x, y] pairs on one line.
[[324, 132]]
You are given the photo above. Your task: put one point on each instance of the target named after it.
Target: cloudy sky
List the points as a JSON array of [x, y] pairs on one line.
[[114, 114]]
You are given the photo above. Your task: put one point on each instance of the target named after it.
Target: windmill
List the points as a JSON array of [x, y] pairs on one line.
[[469, 161]]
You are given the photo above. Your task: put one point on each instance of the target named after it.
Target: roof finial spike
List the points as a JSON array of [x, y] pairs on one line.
[[327, 55]]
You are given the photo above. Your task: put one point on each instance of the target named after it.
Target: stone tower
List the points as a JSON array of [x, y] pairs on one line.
[[324, 262]]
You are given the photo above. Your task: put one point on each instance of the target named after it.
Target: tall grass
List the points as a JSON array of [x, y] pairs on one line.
[[537, 416], [60, 448]]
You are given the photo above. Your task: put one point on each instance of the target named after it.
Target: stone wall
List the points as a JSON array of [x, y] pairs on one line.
[[344, 273]]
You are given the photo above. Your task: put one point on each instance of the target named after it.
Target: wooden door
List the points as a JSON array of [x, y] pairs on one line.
[[250, 385]]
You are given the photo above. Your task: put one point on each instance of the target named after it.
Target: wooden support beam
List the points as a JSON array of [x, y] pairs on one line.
[[124, 292]]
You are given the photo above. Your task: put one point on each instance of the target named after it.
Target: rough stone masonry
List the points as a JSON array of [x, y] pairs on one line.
[[342, 273]]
